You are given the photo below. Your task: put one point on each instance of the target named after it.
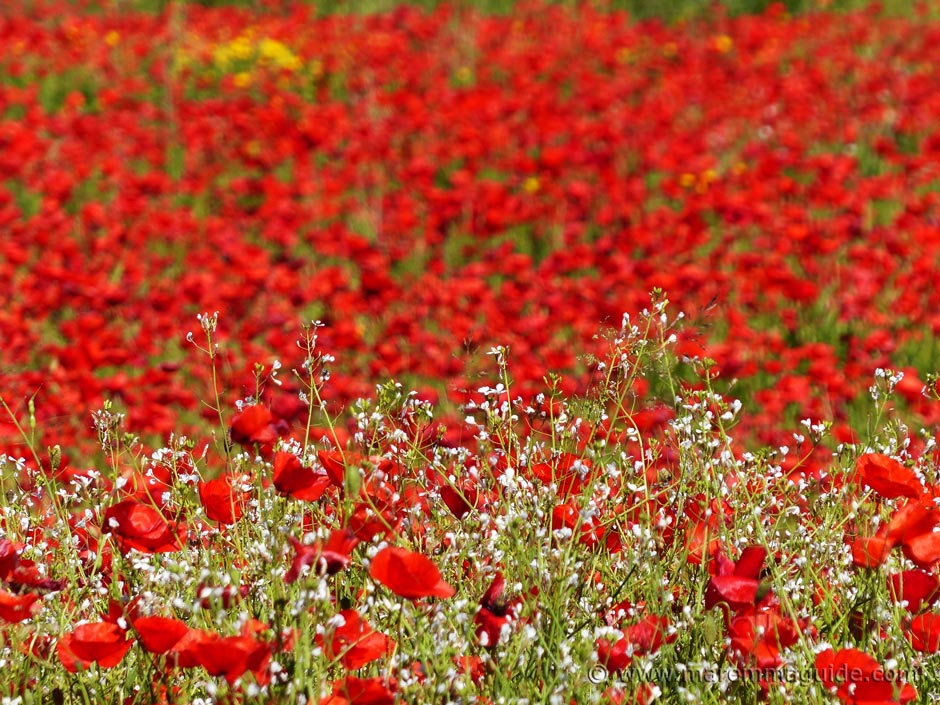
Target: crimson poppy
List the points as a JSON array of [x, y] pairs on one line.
[[254, 424], [223, 498], [18, 608], [293, 479], [159, 634], [104, 643], [888, 477], [142, 527], [914, 588], [354, 643], [858, 679], [362, 691], [331, 557], [408, 574]]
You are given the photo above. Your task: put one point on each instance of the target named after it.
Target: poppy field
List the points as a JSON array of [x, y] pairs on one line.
[[440, 356]]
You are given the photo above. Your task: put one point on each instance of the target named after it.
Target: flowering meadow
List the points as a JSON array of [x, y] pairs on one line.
[[337, 363]]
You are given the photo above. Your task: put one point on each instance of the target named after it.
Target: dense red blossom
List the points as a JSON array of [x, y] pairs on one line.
[[354, 643], [292, 478], [858, 679], [159, 634], [17, 608], [408, 574], [330, 557], [142, 527], [362, 691], [888, 477], [104, 643], [224, 498]]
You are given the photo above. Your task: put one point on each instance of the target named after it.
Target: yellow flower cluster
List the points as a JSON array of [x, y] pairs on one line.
[[245, 49]]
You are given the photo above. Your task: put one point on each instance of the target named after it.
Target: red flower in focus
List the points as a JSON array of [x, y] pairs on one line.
[[914, 588], [331, 557], [254, 424], [293, 479], [460, 501], [334, 465], [912, 527], [737, 584], [495, 612], [232, 656], [354, 643], [104, 643], [924, 633], [223, 498], [159, 634], [888, 477], [858, 679], [18, 572], [645, 637], [758, 637], [408, 574], [140, 526], [362, 691], [17, 608]]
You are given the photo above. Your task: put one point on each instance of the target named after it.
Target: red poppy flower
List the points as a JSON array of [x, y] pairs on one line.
[[924, 633], [914, 588], [18, 608], [254, 424], [408, 574], [354, 643], [18, 572], [223, 498], [645, 637], [736, 585], [460, 502], [758, 637], [159, 634], [858, 679], [332, 557], [888, 477], [362, 691], [232, 656], [332, 461], [870, 552], [140, 526], [293, 479], [495, 612], [104, 643]]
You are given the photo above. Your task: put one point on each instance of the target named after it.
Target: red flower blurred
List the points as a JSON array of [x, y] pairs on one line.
[[293, 479], [233, 656], [223, 498], [331, 557], [104, 643], [758, 636], [17, 608], [912, 527], [140, 526], [362, 691], [858, 679], [645, 637], [408, 574], [924, 633], [159, 634], [914, 588], [254, 424], [354, 643], [888, 477]]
